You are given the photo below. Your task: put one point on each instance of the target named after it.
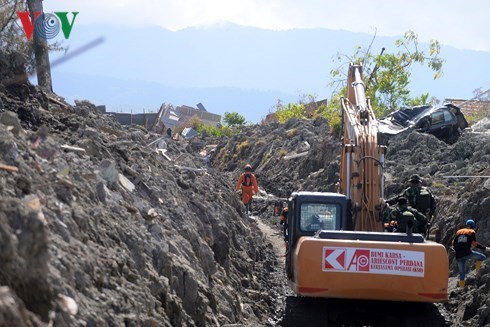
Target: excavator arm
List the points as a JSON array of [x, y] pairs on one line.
[[362, 161]]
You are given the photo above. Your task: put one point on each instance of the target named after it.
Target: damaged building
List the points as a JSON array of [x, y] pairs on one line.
[[167, 117]]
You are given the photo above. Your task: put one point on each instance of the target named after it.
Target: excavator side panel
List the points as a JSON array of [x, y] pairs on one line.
[[370, 270]]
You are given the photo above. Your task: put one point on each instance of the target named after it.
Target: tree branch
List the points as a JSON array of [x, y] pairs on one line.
[[7, 22]]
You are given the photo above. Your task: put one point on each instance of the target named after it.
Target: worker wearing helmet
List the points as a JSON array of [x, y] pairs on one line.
[[247, 183], [419, 197], [463, 242]]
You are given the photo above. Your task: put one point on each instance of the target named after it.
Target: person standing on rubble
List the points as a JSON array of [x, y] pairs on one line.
[[463, 242], [284, 223], [419, 198], [247, 183]]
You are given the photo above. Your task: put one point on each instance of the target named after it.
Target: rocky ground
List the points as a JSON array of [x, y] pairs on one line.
[[99, 228], [275, 150]]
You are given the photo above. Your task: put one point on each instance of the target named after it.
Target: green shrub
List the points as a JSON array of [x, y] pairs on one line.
[[261, 142], [242, 148], [292, 133], [265, 158], [291, 110], [332, 112]]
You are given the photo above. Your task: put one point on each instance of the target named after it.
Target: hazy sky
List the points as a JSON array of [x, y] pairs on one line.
[[457, 23]]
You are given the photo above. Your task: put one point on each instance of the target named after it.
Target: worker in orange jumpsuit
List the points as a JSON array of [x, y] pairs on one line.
[[247, 183]]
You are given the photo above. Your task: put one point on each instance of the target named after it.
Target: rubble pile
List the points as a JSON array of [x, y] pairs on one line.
[[299, 154], [451, 171], [104, 225]]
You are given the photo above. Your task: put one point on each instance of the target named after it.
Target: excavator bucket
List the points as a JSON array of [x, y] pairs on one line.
[[370, 266]]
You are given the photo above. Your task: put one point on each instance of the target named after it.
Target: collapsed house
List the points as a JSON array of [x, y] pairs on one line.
[[167, 117]]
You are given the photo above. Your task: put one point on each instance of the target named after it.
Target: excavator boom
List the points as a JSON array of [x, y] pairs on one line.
[[362, 161], [337, 247]]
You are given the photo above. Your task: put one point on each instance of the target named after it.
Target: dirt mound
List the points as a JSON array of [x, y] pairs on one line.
[[97, 228], [451, 171]]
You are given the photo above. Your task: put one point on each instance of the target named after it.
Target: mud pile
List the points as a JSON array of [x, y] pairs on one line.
[[97, 228]]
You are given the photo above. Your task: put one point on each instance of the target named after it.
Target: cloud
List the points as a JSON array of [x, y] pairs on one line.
[[452, 22]]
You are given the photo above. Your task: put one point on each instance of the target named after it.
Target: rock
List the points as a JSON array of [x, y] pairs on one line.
[[9, 118], [8, 151], [109, 172]]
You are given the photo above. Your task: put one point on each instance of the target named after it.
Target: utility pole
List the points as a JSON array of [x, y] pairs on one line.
[[41, 53]]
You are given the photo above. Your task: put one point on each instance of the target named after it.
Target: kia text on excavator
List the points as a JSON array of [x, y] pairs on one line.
[[337, 247]]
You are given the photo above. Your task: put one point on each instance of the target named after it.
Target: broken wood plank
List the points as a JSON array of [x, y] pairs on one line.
[[190, 168], [72, 148], [297, 155], [126, 183], [12, 169], [63, 105], [163, 152]]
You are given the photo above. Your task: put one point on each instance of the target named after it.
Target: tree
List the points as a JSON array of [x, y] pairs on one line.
[[41, 51], [11, 36], [36, 51], [481, 95], [233, 119], [386, 76]]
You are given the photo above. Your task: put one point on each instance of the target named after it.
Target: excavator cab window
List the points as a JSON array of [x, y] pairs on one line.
[[316, 216]]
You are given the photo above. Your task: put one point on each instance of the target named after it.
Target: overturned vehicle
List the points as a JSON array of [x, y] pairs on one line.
[[445, 122]]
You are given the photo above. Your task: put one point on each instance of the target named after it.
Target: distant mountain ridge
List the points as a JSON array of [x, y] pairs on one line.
[[234, 68]]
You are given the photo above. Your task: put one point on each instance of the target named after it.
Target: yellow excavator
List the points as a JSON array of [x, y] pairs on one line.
[[337, 247]]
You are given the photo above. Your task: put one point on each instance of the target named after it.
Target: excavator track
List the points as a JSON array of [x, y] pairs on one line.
[[302, 311]]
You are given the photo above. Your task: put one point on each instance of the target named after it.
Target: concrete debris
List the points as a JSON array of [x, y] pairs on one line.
[[189, 132], [126, 183]]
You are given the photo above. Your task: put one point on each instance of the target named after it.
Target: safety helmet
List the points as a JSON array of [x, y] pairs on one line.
[[248, 167], [470, 223], [415, 179], [403, 201]]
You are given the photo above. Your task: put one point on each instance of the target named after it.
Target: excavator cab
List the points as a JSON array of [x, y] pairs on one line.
[[310, 212]]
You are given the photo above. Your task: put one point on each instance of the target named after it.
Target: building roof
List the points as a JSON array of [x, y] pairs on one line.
[[470, 106]]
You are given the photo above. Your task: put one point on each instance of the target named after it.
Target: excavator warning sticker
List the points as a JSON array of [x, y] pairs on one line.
[[374, 261]]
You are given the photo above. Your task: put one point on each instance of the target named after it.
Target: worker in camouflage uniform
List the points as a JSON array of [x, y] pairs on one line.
[[419, 197], [401, 214]]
